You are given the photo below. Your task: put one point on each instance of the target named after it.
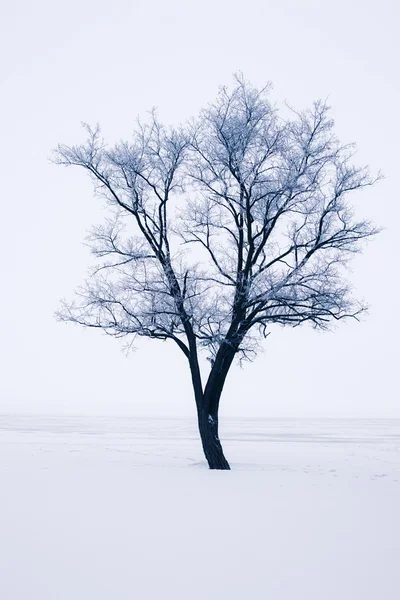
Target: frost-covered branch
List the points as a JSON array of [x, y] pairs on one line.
[[238, 220]]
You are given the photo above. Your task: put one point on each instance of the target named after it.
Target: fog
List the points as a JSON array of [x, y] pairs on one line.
[[110, 62]]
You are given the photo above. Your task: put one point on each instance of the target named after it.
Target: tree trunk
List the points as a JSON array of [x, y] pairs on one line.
[[208, 427]]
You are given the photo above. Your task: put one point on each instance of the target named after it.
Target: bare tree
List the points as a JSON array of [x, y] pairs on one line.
[[219, 229]]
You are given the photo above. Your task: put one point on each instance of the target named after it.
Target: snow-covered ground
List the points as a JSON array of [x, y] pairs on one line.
[[122, 508]]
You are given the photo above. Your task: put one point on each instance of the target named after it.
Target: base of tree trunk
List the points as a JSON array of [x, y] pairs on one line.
[[208, 427]]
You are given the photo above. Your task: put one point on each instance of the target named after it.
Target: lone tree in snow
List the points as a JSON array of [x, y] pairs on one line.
[[218, 230]]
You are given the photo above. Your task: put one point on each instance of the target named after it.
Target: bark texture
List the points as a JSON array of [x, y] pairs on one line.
[[208, 427]]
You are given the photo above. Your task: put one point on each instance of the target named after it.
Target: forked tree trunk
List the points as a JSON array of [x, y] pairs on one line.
[[207, 403], [208, 427]]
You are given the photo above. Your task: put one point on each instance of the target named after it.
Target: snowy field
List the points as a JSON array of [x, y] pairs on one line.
[[111, 509]]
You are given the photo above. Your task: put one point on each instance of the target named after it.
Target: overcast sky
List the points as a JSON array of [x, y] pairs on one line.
[[63, 63]]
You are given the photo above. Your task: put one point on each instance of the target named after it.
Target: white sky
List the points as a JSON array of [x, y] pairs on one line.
[[63, 63]]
